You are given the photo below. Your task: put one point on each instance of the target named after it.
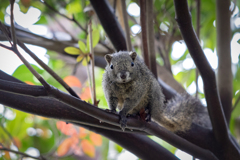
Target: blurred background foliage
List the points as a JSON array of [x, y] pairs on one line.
[[66, 21]]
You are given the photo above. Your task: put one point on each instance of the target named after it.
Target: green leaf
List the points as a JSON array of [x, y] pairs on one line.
[[18, 127], [72, 50], [118, 148], [74, 7], [239, 61], [95, 38], [1, 16], [86, 61], [80, 57], [166, 145], [82, 46], [22, 73]]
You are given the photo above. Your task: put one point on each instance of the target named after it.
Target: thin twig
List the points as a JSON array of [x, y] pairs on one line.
[[236, 103], [15, 50], [60, 24], [8, 134], [6, 47], [198, 4], [94, 99], [70, 19], [5, 32], [73, 19], [14, 39], [17, 152], [89, 81], [126, 26], [48, 69]]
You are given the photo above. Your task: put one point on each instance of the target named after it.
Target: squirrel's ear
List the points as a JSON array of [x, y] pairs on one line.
[[133, 55], [108, 58]]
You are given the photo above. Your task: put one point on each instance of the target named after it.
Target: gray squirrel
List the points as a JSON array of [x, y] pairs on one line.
[[130, 86]]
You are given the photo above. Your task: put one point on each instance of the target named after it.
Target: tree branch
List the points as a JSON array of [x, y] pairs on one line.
[[58, 110], [132, 123], [219, 124], [183, 18], [14, 38], [20, 153], [57, 12], [48, 69], [126, 26], [224, 73], [110, 24], [198, 14], [151, 38], [49, 107], [138, 144], [143, 20]]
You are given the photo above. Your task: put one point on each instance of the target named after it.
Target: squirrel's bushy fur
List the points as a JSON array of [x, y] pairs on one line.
[[130, 86]]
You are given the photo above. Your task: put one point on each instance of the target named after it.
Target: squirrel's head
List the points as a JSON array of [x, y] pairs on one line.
[[121, 66]]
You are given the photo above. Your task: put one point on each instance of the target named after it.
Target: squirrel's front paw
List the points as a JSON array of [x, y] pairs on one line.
[[111, 110], [123, 121]]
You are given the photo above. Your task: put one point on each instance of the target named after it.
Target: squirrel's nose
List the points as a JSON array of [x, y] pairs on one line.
[[123, 76]]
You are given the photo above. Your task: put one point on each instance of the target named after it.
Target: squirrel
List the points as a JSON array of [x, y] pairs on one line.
[[130, 86]]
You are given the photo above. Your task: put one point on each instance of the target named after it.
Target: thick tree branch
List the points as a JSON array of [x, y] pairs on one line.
[[224, 73], [58, 110], [150, 128], [130, 141], [217, 117], [51, 108], [183, 18]]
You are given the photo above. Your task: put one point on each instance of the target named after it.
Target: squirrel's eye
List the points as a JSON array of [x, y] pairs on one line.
[[111, 66], [132, 64]]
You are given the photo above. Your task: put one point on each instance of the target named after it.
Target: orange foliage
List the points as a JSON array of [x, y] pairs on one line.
[[67, 129], [43, 118], [82, 132], [72, 81], [17, 142], [96, 139], [7, 155], [30, 83], [88, 148], [64, 147], [67, 144]]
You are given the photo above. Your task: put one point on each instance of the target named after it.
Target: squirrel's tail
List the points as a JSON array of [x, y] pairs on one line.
[[181, 111]]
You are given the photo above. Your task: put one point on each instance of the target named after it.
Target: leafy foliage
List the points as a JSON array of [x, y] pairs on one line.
[[57, 139]]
